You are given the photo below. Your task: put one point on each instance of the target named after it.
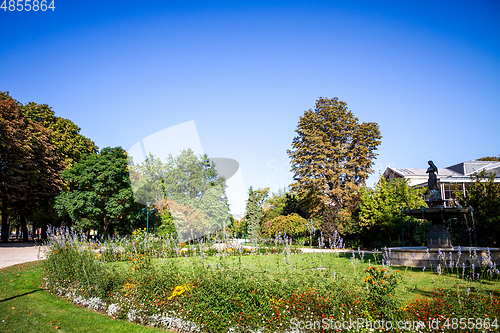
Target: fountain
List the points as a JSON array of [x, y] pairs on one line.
[[439, 248]]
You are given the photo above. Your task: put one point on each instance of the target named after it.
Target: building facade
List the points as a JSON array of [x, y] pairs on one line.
[[450, 179]]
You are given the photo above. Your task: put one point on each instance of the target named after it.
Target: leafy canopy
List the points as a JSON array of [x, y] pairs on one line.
[[381, 207], [332, 154], [483, 195], [254, 211], [69, 144], [192, 188], [30, 174], [100, 195]]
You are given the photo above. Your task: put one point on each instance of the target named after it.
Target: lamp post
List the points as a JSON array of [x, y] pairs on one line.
[[148, 210], [402, 231]]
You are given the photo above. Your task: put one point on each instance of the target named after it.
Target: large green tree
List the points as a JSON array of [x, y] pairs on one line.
[[380, 207], [36, 146], [332, 155], [483, 195], [254, 212], [189, 183], [69, 144], [100, 195]]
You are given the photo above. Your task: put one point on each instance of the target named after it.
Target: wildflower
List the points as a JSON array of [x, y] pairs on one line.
[[179, 290]]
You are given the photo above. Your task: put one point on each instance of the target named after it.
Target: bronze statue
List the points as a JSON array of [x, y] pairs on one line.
[[432, 182]]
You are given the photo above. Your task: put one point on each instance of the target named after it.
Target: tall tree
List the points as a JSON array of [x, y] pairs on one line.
[[70, 145], [100, 195], [331, 155], [254, 212], [187, 182], [31, 168], [13, 155]]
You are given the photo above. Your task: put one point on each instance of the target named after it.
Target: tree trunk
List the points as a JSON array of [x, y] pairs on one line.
[[23, 226], [5, 223], [105, 224]]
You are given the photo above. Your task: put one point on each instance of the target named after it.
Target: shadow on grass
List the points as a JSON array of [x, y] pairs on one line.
[[29, 292]]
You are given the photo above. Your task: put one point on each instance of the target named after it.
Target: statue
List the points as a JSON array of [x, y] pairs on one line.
[[432, 182]]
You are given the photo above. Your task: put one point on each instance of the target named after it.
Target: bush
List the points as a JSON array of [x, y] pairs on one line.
[[293, 225]]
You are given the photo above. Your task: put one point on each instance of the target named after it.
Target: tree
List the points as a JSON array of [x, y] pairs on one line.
[[380, 208], [254, 212], [31, 168], [331, 155], [490, 158], [484, 197], [292, 224], [100, 195], [187, 182], [14, 146], [69, 144], [274, 206]]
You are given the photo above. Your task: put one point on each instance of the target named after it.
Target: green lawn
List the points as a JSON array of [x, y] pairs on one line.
[[416, 283], [25, 307]]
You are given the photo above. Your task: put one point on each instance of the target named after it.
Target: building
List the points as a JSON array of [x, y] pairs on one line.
[[449, 179]]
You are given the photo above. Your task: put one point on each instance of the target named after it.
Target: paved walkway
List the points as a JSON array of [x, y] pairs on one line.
[[13, 253]]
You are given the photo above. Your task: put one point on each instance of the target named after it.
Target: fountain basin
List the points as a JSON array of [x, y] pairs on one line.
[[421, 256]]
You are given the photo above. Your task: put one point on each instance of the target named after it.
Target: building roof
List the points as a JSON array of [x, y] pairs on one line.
[[460, 172]]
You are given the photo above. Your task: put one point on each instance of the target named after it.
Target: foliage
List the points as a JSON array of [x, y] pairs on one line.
[[274, 205], [483, 195], [254, 212], [237, 228], [490, 158], [232, 292], [183, 181], [99, 194], [380, 208], [331, 155], [31, 169], [282, 203], [347, 224], [36, 147], [167, 225], [69, 144], [188, 221], [27, 307], [293, 225], [381, 285]]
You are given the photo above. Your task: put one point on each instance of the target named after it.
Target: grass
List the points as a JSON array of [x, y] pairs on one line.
[[417, 281], [26, 307], [154, 281]]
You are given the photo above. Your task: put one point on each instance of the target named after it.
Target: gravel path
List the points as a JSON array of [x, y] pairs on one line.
[[13, 253]]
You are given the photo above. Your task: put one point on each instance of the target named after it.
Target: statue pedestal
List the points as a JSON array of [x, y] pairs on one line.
[[439, 237]]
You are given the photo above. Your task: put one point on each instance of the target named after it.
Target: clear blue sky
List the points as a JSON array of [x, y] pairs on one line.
[[427, 72]]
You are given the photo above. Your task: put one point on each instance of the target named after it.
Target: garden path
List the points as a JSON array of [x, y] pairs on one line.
[[13, 253]]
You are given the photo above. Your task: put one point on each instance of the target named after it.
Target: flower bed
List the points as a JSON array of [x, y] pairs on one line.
[[229, 292]]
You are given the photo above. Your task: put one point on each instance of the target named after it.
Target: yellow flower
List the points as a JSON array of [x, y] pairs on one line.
[[179, 290]]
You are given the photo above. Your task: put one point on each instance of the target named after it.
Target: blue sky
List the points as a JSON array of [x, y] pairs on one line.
[[427, 72]]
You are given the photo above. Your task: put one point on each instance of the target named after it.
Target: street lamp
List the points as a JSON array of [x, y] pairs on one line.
[[148, 210], [402, 231]]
